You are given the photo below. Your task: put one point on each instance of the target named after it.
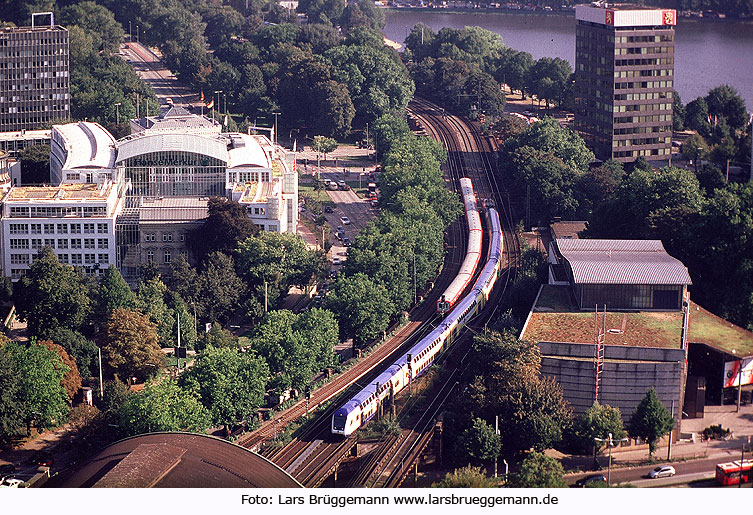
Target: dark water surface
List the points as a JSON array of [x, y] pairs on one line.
[[707, 53]]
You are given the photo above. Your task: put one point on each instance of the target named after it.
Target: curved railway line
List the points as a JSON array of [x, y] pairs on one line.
[[314, 454]]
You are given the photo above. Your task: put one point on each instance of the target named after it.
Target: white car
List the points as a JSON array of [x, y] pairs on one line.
[[12, 482], [345, 220], [663, 471]]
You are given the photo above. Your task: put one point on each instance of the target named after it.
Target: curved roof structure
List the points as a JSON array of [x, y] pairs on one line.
[[175, 460], [622, 262], [245, 150], [140, 144], [87, 145]]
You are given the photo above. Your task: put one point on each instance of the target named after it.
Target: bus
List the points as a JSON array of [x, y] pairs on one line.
[[731, 473]]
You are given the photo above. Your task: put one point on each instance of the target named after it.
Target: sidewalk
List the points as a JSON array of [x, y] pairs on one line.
[[689, 447]]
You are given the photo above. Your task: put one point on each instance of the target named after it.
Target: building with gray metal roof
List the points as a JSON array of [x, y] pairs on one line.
[[623, 274]]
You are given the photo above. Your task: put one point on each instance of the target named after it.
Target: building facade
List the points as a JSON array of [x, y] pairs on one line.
[[76, 220], [624, 77], [34, 75]]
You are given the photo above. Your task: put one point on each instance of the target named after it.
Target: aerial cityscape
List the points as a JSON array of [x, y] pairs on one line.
[[273, 245]]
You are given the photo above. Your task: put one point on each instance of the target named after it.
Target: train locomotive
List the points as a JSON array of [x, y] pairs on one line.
[[364, 405]]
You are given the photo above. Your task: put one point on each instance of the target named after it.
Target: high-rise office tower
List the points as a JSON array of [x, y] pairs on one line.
[[624, 75], [34, 78]]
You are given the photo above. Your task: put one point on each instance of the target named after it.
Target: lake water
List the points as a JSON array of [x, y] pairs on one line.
[[707, 53]]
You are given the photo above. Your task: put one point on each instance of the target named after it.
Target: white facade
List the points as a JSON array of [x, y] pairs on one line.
[[76, 220], [626, 15]]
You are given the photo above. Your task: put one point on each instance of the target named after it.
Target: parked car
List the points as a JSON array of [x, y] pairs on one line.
[[663, 471], [374, 202], [42, 459], [592, 480], [336, 261], [346, 242], [12, 482], [345, 220], [340, 235], [328, 209]]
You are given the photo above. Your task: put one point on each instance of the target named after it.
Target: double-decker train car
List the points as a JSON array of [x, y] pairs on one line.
[[473, 253], [363, 406]]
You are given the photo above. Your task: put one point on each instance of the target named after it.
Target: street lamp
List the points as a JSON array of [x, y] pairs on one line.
[[276, 113], [218, 102], [117, 112], [610, 443]]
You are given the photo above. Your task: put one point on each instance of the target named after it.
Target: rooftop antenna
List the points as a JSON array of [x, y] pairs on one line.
[[52, 18]]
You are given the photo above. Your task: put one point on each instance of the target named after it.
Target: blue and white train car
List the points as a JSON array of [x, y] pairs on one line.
[[363, 406]]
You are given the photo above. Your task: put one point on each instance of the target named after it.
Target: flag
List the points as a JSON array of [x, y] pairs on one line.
[[201, 97], [210, 105], [225, 121], [710, 118]]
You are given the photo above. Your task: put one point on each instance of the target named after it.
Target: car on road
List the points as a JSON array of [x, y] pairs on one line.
[[374, 202], [662, 471], [592, 480], [345, 220], [12, 482], [42, 459]]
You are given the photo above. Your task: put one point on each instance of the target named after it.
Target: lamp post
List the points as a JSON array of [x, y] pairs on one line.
[[218, 102], [130, 34], [101, 386], [610, 444], [117, 112], [276, 113]]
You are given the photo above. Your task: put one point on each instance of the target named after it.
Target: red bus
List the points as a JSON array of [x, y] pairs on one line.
[[730, 473]]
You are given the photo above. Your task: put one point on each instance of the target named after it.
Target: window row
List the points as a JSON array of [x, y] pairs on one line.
[[73, 243], [73, 259], [643, 73], [166, 236], [57, 228]]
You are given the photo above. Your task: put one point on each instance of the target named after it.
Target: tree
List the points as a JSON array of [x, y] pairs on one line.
[[505, 380], [466, 477], [725, 101], [478, 443], [43, 398], [697, 117], [11, 404], [71, 380], [599, 422], [678, 112], [549, 79], [540, 471], [362, 307], [218, 338], [113, 293], [130, 345], [163, 406], [230, 383], [225, 226], [97, 21], [324, 145], [694, 149], [650, 421], [81, 349], [150, 300], [35, 164], [51, 295], [296, 347], [220, 288]]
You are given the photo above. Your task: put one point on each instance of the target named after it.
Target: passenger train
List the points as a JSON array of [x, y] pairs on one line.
[[363, 406], [473, 253]]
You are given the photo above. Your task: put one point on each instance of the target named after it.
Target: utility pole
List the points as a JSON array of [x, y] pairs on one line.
[[117, 119], [276, 113], [101, 385]]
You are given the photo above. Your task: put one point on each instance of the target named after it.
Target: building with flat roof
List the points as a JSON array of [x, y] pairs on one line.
[[34, 75], [624, 77], [76, 220]]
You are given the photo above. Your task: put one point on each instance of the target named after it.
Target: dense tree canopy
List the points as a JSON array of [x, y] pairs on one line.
[[540, 471], [51, 295], [130, 346], [230, 383]]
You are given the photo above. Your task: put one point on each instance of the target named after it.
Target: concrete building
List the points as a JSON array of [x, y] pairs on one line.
[[34, 75], [76, 220], [13, 142], [624, 76]]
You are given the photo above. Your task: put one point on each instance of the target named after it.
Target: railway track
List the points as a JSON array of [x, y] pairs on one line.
[[389, 464]]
